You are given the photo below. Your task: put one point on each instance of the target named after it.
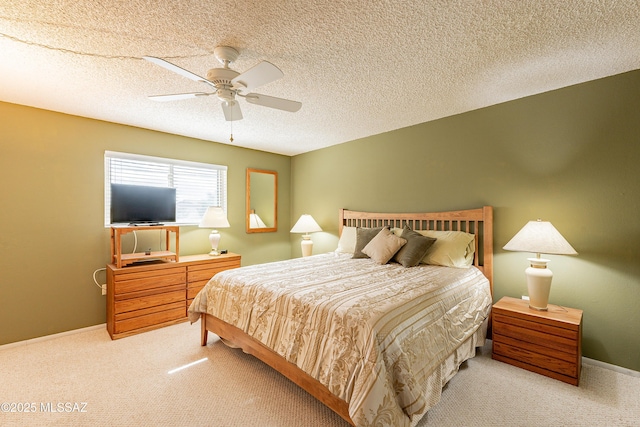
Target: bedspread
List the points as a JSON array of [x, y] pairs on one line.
[[372, 334]]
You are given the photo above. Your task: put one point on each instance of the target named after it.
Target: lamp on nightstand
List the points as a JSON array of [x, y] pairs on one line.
[[214, 218], [306, 224], [539, 237]]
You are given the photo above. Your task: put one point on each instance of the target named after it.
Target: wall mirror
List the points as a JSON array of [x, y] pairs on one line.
[[262, 201]]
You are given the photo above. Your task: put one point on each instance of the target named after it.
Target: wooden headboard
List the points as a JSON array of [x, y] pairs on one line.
[[475, 221]]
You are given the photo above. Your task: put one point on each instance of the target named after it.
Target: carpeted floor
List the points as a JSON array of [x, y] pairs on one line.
[[86, 379]]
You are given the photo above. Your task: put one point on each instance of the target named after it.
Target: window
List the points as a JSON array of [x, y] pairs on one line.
[[198, 185]]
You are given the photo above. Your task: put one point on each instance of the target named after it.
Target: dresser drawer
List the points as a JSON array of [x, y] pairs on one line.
[[194, 288], [175, 311], [153, 300], [200, 272], [198, 275], [135, 282]]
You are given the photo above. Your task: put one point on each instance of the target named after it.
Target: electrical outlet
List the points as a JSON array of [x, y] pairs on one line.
[[104, 289], [525, 297]]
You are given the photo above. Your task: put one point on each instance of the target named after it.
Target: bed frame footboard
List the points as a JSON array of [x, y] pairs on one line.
[[234, 337]]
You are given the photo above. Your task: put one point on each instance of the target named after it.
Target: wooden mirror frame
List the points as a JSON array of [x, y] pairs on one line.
[[249, 208]]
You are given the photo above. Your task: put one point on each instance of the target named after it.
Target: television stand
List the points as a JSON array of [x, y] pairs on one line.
[[122, 260]]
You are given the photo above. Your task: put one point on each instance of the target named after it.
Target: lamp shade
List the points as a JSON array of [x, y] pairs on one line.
[[306, 224], [540, 237], [255, 221], [214, 217]]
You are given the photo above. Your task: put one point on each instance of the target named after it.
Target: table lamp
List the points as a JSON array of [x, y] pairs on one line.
[[539, 237], [214, 218], [306, 224]]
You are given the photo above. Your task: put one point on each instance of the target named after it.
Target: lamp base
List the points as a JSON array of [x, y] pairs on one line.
[[306, 245], [538, 283], [214, 239], [539, 309]]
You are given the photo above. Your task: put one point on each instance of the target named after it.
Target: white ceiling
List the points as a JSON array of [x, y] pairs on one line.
[[359, 67]]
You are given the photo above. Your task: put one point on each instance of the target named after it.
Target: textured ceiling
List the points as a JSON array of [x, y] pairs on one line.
[[359, 67]]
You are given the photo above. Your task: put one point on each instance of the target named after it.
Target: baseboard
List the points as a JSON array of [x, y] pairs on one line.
[[53, 336], [611, 367]]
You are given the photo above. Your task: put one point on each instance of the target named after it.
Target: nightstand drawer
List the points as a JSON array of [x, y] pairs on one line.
[[527, 357], [536, 334], [534, 348]]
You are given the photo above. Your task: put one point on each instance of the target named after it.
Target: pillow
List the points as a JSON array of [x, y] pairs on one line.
[[383, 246], [347, 242], [451, 249], [414, 250], [364, 236]]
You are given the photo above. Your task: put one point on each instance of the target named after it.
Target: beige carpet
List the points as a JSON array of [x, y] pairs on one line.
[[126, 383]]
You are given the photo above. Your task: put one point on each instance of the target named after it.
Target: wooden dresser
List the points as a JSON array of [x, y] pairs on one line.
[[545, 342], [150, 295]]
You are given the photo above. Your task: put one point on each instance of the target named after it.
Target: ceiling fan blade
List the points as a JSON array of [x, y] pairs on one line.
[[258, 75], [178, 96], [175, 69], [231, 110], [272, 102]]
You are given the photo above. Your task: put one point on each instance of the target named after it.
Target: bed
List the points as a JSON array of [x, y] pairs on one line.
[[374, 341]]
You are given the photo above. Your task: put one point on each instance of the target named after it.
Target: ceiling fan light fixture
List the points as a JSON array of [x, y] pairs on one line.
[[231, 110], [226, 95]]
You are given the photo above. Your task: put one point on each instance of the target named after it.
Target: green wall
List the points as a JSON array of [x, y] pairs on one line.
[[52, 234], [570, 156]]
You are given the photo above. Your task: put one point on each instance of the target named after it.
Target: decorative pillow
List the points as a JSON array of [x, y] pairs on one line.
[[347, 242], [414, 250], [364, 236], [383, 246], [451, 249]]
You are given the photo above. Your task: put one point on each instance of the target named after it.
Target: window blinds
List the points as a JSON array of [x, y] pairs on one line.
[[198, 185]]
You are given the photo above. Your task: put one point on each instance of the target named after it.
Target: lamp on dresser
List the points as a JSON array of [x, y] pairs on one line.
[[539, 237], [214, 218], [255, 221], [306, 224]]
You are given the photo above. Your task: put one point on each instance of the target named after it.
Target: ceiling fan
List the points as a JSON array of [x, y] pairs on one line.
[[229, 83]]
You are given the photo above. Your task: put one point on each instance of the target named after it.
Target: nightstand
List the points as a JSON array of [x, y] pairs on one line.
[[545, 342]]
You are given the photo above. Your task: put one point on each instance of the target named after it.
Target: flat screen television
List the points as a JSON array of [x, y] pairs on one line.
[[141, 204]]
